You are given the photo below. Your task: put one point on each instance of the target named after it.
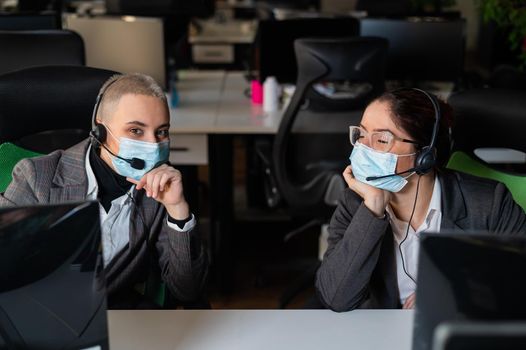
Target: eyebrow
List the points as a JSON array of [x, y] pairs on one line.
[[136, 122], [378, 130]]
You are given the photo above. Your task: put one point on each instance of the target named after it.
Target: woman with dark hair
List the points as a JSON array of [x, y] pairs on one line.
[[398, 188]]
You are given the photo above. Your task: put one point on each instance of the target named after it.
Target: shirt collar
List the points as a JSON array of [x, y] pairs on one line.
[[93, 187], [433, 209], [435, 203]]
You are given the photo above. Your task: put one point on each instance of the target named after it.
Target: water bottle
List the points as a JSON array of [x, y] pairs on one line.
[[270, 94]]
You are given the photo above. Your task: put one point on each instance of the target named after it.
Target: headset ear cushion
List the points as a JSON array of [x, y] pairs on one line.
[[99, 132], [425, 161]]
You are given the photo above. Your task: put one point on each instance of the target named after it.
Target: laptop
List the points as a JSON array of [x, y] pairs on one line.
[[52, 289], [468, 277]]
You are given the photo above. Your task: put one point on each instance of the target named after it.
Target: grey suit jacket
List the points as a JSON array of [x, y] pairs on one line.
[[359, 267], [61, 177]]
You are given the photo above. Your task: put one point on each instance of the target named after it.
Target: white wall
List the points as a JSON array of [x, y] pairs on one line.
[[469, 11]]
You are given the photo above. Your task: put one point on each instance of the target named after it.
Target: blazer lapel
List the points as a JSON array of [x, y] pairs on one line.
[[453, 204], [70, 180], [142, 217]]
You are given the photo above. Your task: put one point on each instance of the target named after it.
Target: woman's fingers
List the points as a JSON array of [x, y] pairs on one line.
[[410, 302]]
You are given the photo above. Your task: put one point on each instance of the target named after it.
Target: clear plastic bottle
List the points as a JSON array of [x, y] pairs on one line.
[[270, 94]]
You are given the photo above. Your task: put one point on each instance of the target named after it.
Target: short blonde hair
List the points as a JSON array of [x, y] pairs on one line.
[[121, 84]]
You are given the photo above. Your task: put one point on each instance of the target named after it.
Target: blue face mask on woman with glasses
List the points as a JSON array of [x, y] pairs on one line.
[[368, 162]]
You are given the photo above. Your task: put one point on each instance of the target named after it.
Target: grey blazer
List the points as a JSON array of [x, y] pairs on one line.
[[61, 177], [359, 267]]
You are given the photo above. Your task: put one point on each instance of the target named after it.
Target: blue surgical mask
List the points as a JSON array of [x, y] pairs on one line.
[[366, 162], [153, 154]]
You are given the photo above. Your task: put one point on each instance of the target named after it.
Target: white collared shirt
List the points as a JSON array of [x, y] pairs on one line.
[[411, 245], [115, 224]]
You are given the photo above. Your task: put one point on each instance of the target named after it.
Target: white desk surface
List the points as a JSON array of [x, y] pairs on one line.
[[237, 114], [199, 96], [213, 102], [260, 329]]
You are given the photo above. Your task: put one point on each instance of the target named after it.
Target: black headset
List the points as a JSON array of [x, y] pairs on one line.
[[426, 157], [99, 134], [98, 131]]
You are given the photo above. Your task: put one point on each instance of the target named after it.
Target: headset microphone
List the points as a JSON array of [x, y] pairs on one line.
[[372, 178], [135, 163]]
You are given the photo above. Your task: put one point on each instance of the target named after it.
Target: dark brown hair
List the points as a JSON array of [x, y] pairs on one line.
[[413, 112]]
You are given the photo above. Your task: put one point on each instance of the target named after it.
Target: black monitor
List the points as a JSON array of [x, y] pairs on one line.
[[468, 277], [275, 54], [52, 290], [21, 21], [199, 8], [480, 335], [291, 4], [420, 49]]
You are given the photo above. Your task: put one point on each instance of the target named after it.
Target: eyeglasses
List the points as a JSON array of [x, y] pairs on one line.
[[381, 141]]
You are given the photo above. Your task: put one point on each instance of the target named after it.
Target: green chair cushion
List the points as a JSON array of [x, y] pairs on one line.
[[11, 154], [516, 184]]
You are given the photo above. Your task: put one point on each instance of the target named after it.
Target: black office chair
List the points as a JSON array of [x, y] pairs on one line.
[[30, 20], [25, 49], [311, 186], [49, 107]]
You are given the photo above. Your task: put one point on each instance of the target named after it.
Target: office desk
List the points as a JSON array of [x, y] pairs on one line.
[[237, 115], [214, 102], [260, 329]]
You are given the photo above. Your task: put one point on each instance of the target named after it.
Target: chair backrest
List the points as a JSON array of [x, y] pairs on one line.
[[24, 49], [54, 101], [275, 42], [30, 20], [489, 118], [357, 60], [516, 184]]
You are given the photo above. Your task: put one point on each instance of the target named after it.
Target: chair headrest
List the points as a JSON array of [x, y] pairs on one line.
[[48, 98]]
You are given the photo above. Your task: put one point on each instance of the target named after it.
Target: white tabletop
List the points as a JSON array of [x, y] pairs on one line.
[[213, 102], [261, 329], [237, 114], [199, 96]]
